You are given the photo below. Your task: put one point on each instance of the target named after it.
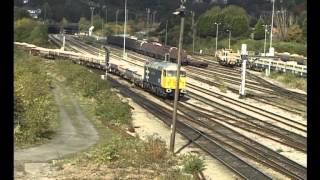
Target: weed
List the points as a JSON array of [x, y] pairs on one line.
[[193, 164]]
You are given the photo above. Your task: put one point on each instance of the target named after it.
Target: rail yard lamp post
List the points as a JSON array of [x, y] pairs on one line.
[[92, 9], [193, 31], [215, 53], [148, 12], [165, 40], [180, 12], [271, 25], [265, 39], [229, 36], [125, 30], [117, 12]]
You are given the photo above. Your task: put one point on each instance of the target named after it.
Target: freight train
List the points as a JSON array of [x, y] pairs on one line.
[[157, 77], [155, 50]]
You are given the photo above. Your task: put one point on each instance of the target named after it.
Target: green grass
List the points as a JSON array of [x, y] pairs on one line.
[[290, 80], [33, 97], [208, 45]]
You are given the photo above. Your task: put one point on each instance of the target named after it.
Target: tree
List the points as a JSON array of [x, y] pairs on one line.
[[84, 24], [295, 33], [231, 17], [259, 30], [20, 13]]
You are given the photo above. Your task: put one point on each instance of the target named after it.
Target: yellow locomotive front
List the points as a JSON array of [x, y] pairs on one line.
[[168, 80]]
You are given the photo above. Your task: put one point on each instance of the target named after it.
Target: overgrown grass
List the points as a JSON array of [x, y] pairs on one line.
[[35, 112], [290, 80], [31, 31], [108, 105], [208, 45]]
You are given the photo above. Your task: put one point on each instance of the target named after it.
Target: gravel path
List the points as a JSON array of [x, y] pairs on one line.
[[76, 132]]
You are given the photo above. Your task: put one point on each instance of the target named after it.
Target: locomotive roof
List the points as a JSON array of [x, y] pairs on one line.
[[163, 65]]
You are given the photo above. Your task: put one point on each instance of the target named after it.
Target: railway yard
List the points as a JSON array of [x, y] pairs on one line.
[[262, 136]]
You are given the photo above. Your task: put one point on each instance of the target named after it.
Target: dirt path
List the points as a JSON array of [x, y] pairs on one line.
[[76, 133]]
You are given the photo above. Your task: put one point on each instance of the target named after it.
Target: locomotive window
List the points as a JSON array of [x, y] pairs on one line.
[[174, 73], [171, 73], [164, 73]]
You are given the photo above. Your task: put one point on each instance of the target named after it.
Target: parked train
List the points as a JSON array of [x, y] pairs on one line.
[[158, 77], [227, 58], [155, 50]]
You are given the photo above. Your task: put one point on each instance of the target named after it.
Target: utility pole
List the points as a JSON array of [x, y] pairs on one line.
[[125, 30], [154, 17], [215, 53], [193, 31], [106, 14], [92, 9], [181, 13], [165, 41], [117, 12], [229, 36], [265, 38], [148, 12], [271, 26]]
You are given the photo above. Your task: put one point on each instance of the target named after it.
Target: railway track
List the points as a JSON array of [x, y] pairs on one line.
[[284, 120], [201, 142], [242, 145], [254, 125], [301, 98], [199, 138]]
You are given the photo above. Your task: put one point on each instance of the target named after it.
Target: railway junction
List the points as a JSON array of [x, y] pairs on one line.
[[262, 136]]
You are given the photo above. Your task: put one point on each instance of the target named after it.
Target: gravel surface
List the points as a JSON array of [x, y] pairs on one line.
[[75, 134]]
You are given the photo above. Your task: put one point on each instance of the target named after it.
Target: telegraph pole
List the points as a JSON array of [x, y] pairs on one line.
[[215, 53], [148, 12], [117, 12], [179, 12], [265, 38], [125, 30], [92, 9], [193, 32], [165, 41], [154, 17], [271, 25]]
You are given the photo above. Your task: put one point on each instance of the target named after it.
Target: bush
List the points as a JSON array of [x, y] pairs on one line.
[[193, 164], [31, 31], [32, 99]]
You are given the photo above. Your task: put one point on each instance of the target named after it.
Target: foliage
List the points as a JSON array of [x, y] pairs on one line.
[[131, 152], [31, 31], [295, 34], [32, 99], [193, 164], [259, 30], [63, 22], [108, 106], [291, 80], [231, 17], [20, 13], [84, 24]]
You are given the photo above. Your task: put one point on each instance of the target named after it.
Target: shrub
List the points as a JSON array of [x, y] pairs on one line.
[[33, 98], [155, 149], [31, 31], [193, 164]]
